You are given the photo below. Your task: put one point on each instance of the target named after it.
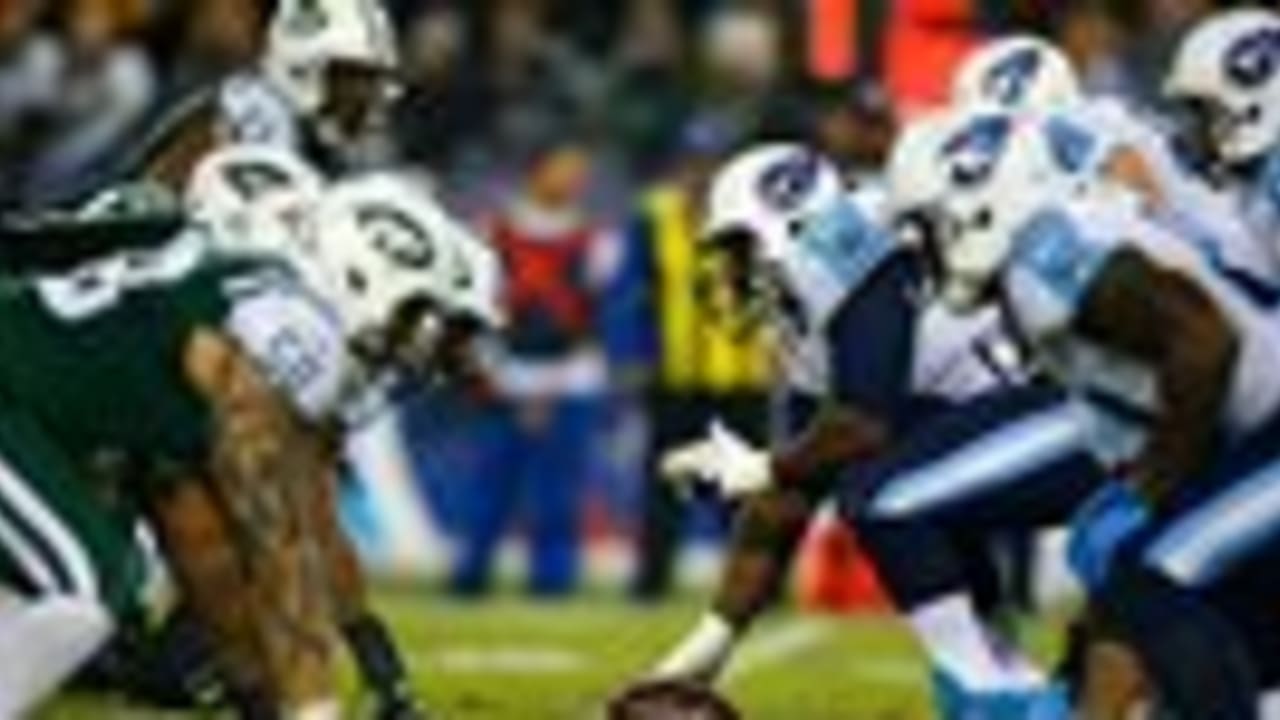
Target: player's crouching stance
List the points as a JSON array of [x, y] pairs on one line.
[[122, 354], [1175, 370], [239, 479], [923, 435], [384, 284]]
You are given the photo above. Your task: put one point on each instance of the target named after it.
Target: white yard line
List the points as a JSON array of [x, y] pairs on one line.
[[778, 644], [796, 637], [502, 660]]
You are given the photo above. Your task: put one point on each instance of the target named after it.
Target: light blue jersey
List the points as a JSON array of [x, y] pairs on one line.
[[841, 257], [1058, 255], [1085, 139], [1259, 202]]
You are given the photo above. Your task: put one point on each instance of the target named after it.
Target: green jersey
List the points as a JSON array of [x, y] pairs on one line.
[[100, 364]]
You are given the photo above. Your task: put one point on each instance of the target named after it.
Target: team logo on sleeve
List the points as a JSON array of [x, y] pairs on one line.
[[1008, 80], [971, 155], [1253, 59], [786, 184]]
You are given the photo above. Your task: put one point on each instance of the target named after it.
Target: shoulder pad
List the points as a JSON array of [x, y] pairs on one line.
[[846, 243], [1077, 147], [1054, 250]]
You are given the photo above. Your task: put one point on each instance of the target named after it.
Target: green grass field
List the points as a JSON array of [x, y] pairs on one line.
[[510, 659]]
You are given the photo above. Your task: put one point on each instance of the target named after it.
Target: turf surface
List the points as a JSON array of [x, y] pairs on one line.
[[511, 659]]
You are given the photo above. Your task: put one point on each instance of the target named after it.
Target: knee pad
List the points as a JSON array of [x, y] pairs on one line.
[[45, 640]]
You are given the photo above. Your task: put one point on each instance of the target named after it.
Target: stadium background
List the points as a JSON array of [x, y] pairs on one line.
[[608, 113]]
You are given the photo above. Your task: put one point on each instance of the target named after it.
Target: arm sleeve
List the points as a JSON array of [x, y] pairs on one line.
[[872, 342], [56, 243]]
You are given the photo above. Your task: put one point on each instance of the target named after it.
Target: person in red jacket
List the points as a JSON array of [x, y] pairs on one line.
[[536, 440]]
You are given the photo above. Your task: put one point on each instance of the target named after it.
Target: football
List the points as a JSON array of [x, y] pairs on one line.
[[670, 700]]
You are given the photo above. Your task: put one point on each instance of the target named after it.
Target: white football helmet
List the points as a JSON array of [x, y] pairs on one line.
[[757, 207], [478, 281], [981, 173], [251, 198], [385, 246], [306, 36], [769, 192], [911, 175], [1019, 72], [1229, 66]]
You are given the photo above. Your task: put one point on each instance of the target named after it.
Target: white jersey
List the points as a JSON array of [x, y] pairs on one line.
[[251, 110], [953, 358], [1259, 203], [1058, 255], [296, 339], [1087, 137]]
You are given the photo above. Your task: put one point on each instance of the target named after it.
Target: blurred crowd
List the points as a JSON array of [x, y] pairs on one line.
[[487, 83], [578, 134]]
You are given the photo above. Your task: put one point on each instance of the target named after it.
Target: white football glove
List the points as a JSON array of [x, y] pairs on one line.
[[721, 459], [702, 654]]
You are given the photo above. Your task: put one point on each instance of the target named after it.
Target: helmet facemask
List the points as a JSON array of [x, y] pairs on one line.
[[421, 337], [1216, 136], [741, 289], [1225, 81], [335, 60], [999, 172], [355, 97]]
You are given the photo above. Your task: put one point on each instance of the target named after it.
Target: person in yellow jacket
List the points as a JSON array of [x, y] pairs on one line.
[[696, 367]]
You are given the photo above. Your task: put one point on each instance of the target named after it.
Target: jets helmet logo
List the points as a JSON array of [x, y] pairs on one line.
[[397, 236]]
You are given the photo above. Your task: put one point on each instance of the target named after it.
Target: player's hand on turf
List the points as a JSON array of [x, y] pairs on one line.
[[701, 655], [723, 460]]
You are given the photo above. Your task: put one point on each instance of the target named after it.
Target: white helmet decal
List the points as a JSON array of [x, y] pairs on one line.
[[971, 155], [398, 236], [787, 183], [1010, 79], [1254, 59], [770, 190], [1229, 67], [1019, 72]]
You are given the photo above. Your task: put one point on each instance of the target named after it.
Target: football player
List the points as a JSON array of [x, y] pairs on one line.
[[1101, 140], [304, 226], [74, 338], [1226, 78], [921, 423], [322, 89], [1173, 369], [262, 201], [293, 344]]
